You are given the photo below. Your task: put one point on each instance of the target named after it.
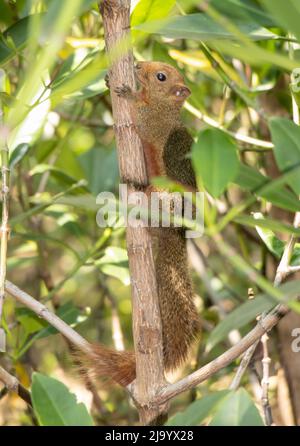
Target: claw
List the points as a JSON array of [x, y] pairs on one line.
[[123, 91], [107, 80]]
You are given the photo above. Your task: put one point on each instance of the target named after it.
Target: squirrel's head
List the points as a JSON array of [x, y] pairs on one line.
[[162, 83]]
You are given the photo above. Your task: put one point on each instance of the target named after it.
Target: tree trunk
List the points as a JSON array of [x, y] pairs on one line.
[[147, 331]]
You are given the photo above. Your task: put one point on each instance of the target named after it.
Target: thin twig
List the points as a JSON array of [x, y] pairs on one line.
[[205, 372], [117, 333], [260, 144], [284, 268], [229, 82], [43, 312], [281, 274], [83, 260], [88, 122], [12, 384], [4, 234], [200, 267], [243, 366], [171, 390], [293, 269], [265, 381]]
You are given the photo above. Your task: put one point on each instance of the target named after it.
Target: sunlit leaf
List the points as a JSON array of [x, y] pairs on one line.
[[148, 10], [202, 27], [115, 263]]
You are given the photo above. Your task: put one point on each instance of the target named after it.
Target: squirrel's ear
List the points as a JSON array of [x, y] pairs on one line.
[[180, 91]]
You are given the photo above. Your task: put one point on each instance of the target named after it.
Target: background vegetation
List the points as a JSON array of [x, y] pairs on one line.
[[237, 57]]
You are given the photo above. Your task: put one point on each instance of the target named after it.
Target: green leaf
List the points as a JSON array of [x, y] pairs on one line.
[[115, 263], [286, 13], [96, 163], [202, 27], [286, 139], [148, 10], [274, 244], [57, 173], [81, 76], [29, 321], [70, 314], [244, 11], [268, 223], [18, 154], [196, 412], [248, 311], [214, 150], [31, 126], [14, 39], [251, 179], [237, 409], [55, 405], [239, 317]]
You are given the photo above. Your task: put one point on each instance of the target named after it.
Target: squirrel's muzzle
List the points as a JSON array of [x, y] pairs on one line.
[[180, 91]]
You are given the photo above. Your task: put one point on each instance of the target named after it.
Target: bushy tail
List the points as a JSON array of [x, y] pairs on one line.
[[104, 362], [180, 322]]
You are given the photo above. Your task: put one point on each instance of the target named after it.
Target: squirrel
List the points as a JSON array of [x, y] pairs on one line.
[[156, 107]]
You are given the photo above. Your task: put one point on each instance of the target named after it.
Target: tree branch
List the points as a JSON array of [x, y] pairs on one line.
[[195, 378], [249, 140], [147, 331], [12, 384], [43, 312], [4, 230], [265, 381]]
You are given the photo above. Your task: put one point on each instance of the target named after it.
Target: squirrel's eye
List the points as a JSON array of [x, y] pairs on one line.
[[161, 77]]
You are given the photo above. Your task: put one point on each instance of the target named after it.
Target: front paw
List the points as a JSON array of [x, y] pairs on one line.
[[124, 91], [107, 81]]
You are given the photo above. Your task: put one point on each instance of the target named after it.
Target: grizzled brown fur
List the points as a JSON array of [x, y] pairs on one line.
[[156, 109]]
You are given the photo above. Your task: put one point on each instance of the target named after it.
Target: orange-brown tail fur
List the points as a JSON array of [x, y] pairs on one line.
[[180, 322], [106, 362]]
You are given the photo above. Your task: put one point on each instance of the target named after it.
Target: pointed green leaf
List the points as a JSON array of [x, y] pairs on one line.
[[115, 263], [55, 405], [237, 409], [251, 179], [286, 139], [286, 14], [14, 39], [268, 223], [248, 311], [215, 160], [204, 28], [148, 10], [196, 412]]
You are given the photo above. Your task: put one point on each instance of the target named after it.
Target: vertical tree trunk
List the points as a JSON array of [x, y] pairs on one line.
[[147, 330]]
